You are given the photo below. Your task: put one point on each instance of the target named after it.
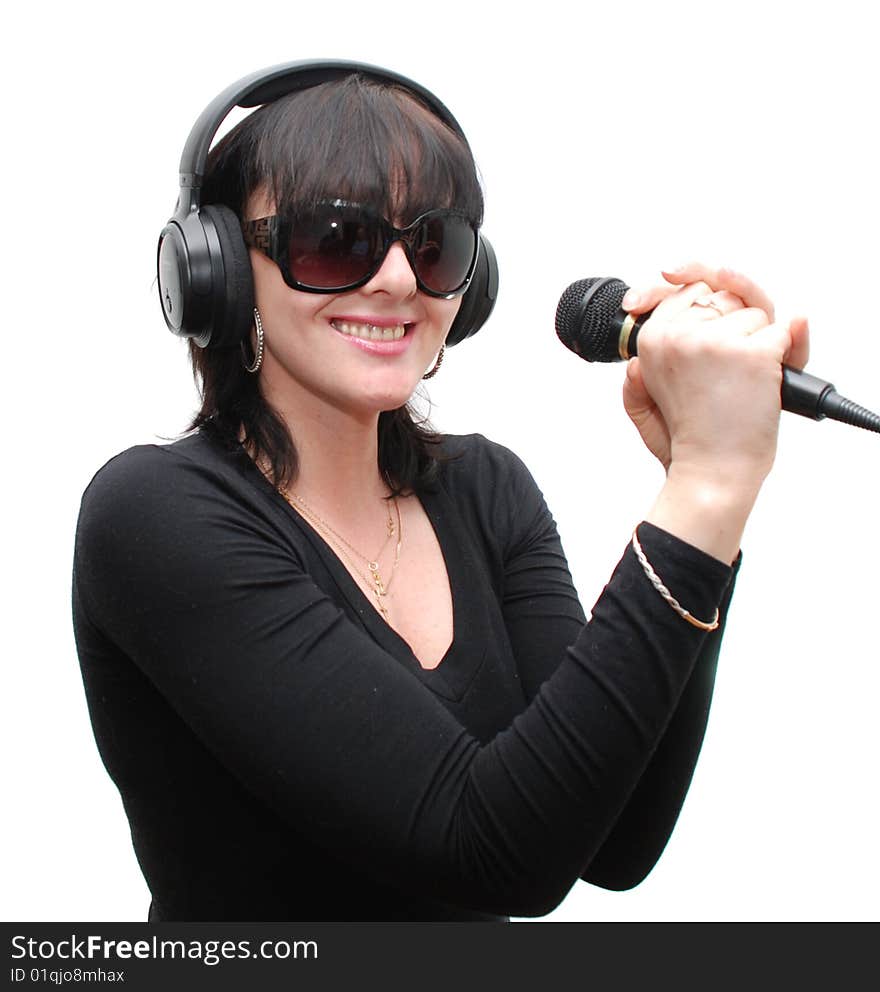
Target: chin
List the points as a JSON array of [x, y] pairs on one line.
[[389, 403], [391, 398]]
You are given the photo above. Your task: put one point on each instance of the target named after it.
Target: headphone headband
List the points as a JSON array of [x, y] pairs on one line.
[[268, 85]]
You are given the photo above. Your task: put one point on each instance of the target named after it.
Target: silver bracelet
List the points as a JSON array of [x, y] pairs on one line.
[[655, 581]]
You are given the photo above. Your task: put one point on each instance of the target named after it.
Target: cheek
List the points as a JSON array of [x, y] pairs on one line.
[[448, 311], [279, 305]]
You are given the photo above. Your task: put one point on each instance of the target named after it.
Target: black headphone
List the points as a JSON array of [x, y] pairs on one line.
[[205, 279]]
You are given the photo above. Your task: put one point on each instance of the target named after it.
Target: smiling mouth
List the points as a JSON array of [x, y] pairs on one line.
[[370, 332]]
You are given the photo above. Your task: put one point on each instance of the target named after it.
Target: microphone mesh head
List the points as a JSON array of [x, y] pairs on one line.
[[585, 318]]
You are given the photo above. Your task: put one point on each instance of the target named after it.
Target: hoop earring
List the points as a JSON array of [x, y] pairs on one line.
[[437, 364], [254, 367]]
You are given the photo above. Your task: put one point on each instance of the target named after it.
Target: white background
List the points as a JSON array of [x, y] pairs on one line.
[[612, 140]]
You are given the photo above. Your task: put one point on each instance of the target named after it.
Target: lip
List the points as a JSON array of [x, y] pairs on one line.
[[381, 348]]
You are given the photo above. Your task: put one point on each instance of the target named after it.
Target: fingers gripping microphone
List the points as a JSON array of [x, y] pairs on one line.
[[591, 322]]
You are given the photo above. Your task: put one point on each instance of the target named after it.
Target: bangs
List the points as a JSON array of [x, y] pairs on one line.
[[354, 139]]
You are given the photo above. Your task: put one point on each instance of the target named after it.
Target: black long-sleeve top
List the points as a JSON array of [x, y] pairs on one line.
[[282, 755]]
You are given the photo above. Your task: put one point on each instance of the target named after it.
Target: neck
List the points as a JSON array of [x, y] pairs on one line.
[[338, 454]]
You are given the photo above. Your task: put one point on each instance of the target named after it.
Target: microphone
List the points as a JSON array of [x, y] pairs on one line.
[[591, 322]]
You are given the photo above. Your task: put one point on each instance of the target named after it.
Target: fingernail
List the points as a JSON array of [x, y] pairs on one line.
[[630, 299]]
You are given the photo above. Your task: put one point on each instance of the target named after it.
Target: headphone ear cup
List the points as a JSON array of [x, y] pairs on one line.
[[479, 299], [233, 279]]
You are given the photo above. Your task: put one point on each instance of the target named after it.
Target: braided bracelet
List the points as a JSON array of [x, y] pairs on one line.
[[655, 581]]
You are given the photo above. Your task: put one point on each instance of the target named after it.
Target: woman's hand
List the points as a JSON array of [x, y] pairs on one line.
[[705, 393], [705, 389]]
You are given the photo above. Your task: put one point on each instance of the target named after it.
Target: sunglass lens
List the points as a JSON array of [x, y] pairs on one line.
[[443, 251], [333, 247]]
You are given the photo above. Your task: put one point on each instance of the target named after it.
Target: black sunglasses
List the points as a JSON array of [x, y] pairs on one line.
[[339, 246]]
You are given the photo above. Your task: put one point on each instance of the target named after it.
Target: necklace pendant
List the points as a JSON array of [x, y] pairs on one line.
[[377, 579], [380, 592]]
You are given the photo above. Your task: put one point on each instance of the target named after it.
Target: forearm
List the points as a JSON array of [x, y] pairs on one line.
[[645, 825]]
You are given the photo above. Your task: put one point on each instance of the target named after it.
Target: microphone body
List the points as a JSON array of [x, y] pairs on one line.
[[591, 322]]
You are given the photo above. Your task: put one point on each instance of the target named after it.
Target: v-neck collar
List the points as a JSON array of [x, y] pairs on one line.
[[463, 658]]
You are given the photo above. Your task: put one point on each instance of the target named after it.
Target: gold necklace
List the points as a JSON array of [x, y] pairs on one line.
[[375, 582]]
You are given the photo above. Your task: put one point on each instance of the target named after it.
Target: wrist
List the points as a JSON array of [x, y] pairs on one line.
[[724, 482], [708, 509], [734, 470]]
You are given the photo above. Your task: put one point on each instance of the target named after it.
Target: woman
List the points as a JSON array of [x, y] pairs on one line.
[[335, 663]]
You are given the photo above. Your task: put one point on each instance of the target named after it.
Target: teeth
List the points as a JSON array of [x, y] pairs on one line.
[[370, 332]]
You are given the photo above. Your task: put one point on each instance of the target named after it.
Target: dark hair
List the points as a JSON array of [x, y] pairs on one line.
[[354, 138]]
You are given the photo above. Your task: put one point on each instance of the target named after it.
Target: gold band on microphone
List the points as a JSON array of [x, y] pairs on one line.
[[623, 341]]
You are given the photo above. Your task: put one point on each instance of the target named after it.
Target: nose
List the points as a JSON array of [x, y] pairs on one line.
[[395, 274]]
